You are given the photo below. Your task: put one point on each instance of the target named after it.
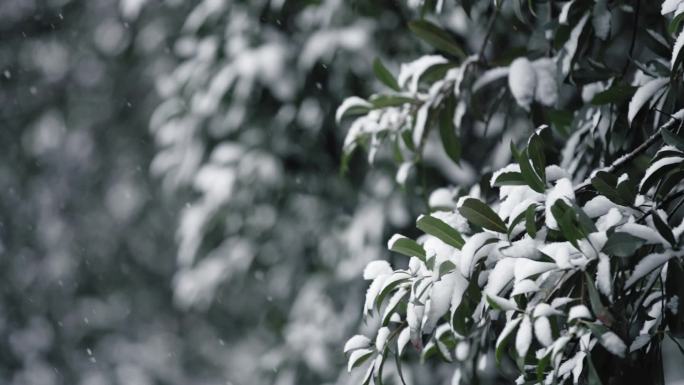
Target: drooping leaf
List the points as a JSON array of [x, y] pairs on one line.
[[438, 228], [400, 244], [482, 215], [384, 75], [436, 37], [450, 141]]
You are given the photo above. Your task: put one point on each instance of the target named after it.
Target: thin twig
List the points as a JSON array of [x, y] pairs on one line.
[[490, 27], [621, 160]]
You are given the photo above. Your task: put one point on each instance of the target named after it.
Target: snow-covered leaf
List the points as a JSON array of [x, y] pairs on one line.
[[401, 244], [357, 342], [522, 81], [643, 95], [357, 357], [375, 268], [352, 106], [647, 265], [523, 338]]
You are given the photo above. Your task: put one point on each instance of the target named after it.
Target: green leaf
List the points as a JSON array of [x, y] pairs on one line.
[[386, 100], [567, 222], [530, 224], [673, 140], [384, 75], [622, 244], [596, 305], [436, 37], [529, 175], [511, 178], [450, 141], [436, 227], [535, 151], [406, 246], [605, 184], [482, 215], [663, 228], [674, 287], [616, 94], [594, 378]]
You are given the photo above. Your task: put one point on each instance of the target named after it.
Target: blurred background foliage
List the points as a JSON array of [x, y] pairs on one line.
[[171, 204]]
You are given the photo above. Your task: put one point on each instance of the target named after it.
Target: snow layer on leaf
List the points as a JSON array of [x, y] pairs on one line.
[[500, 276], [381, 338], [657, 165], [372, 292], [453, 219], [579, 311], [643, 95], [508, 329], [474, 249], [513, 167], [604, 281], [525, 268], [460, 287], [555, 172], [376, 268], [594, 243], [542, 330], [546, 90], [348, 103], [525, 286], [355, 356], [403, 172], [442, 197], [522, 248], [669, 6], [644, 232], [545, 310], [560, 252], [562, 190], [357, 342], [646, 265], [565, 11], [597, 206], [570, 47], [440, 299], [613, 343], [524, 337], [403, 339], [419, 126], [612, 218], [489, 76], [414, 70], [522, 80], [513, 196]]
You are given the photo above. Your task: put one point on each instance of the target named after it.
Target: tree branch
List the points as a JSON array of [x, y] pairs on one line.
[[621, 160]]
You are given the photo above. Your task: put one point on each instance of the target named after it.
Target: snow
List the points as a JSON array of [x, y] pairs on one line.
[[500, 276], [598, 206], [474, 249], [393, 240], [462, 350], [356, 342], [657, 165], [604, 281], [489, 76], [525, 286], [524, 337], [403, 172], [565, 11], [563, 190], [669, 6], [545, 310], [554, 172], [646, 265], [376, 268], [611, 219], [419, 126], [513, 167], [381, 338], [453, 219], [591, 245], [525, 268], [355, 356], [579, 311], [560, 252], [460, 287], [414, 70], [442, 197], [570, 47], [643, 95], [392, 303], [522, 80], [403, 339], [440, 300], [542, 330], [644, 232], [546, 90], [508, 329], [522, 248], [613, 343]]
